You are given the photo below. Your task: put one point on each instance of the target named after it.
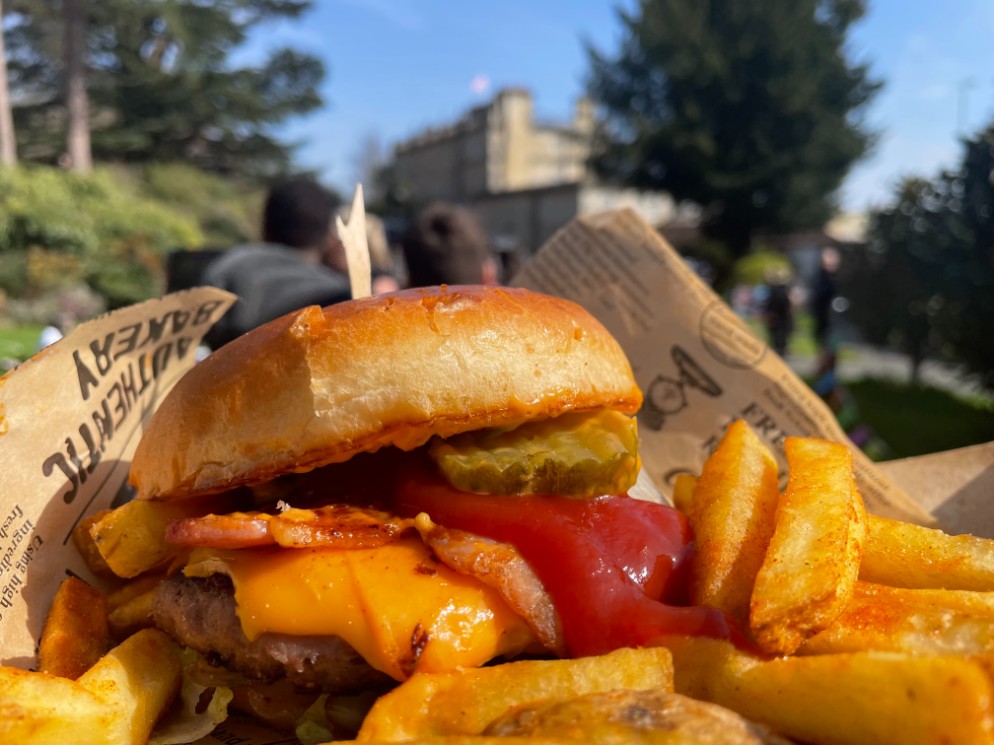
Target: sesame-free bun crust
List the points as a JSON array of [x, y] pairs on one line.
[[320, 385]]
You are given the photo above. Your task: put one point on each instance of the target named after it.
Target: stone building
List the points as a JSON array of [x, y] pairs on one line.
[[524, 178]]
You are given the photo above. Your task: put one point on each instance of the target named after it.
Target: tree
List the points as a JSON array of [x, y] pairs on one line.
[[967, 197], [896, 284], [8, 142], [162, 87], [751, 110], [925, 283], [77, 101]]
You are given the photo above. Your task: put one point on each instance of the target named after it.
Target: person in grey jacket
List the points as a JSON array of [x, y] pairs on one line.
[[300, 262]]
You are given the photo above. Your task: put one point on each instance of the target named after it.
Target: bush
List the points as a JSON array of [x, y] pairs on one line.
[[227, 211], [58, 227]]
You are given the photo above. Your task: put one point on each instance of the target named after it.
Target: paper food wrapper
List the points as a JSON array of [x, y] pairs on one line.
[[697, 363], [71, 417]]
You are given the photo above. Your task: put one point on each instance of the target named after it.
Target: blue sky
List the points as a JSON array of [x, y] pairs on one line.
[[398, 66]]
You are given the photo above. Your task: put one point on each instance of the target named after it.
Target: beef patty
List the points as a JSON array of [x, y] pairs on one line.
[[200, 614]]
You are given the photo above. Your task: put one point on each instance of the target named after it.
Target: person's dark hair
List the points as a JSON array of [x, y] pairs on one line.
[[445, 245], [298, 213]]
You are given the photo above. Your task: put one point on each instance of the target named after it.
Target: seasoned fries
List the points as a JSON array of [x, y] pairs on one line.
[[915, 621], [683, 492], [76, 633], [904, 655], [843, 699], [87, 547], [905, 555], [131, 539], [115, 702], [130, 607], [465, 702], [654, 716], [732, 513], [809, 573]]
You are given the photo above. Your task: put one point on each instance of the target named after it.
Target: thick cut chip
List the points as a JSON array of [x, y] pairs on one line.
[[115, 702], [734, 506], [906, 555], [466, 701], [915, 621], [130, 607], [87, 547], [865, 698], [683, 492], [653, 717], [76, 632], [809, 573], [136, 680], [132, 538], [45, 709]]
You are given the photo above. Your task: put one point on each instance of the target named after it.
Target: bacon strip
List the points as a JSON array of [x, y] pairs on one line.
[[502, 567], [338, 526], [234, 530]]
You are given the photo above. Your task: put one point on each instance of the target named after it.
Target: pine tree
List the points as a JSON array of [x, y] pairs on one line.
[[161, 86], [77, 101], [8, 142], [750, 109]]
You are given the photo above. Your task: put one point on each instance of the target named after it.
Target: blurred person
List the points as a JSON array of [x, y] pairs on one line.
[[823, 292], [826, 383], [778, 310], [826, 379], [507, 252], [300, 261], [447, 245]]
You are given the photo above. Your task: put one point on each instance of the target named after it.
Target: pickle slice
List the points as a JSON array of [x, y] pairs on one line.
[[577, 454]]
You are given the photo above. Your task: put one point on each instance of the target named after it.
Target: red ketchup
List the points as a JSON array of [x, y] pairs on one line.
[[614, 566]]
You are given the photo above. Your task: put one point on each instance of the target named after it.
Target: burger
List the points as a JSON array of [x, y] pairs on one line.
[[420, 481]]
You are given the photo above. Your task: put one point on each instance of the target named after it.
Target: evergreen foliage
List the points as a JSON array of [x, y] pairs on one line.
[[161, 83], [926, 281], [750, 109], [59, 229]]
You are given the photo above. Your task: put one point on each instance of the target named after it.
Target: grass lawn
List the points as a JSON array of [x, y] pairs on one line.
[[915, 420], [19, 342]]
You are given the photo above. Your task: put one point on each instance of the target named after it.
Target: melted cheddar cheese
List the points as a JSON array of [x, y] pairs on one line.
[[396, 605]]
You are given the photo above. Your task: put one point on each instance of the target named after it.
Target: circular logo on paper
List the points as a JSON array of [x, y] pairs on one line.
[[728, 340]]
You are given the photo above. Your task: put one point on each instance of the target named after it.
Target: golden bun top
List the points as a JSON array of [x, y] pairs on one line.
[[319, 385]]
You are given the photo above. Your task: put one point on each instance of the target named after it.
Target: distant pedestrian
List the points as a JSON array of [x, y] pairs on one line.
[[823, 293], [447, 245], [778, 310]]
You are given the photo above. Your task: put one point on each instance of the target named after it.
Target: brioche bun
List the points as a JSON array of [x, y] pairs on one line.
[[320, 385]]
